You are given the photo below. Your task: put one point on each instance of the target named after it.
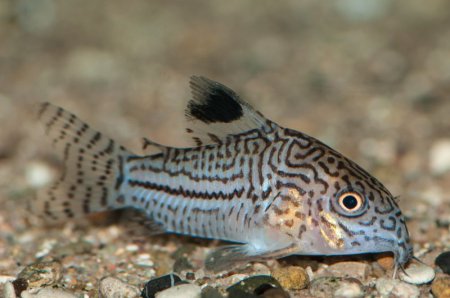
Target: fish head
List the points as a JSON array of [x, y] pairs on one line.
[[356, 213], [342, 209]]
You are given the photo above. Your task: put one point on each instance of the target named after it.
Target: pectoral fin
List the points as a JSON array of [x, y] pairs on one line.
[[228, 257]]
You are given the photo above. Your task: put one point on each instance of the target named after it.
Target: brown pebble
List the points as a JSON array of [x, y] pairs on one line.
[[441, 287], [292, 277], [41, 274], [386, 261]]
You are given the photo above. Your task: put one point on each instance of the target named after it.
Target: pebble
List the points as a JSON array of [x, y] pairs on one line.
[[292, 277], [144, 260], [39, 174], [183, 290], [210, 292], [357, 270], [8, 290], [20, 285], [111, 287], [388, 287], [349, 288], [159, 284], [441, 287], [41, 274], [255, 285], [443, 261], [440, 157], [386, 261], [417, 274], [328, 286], [47, 293]]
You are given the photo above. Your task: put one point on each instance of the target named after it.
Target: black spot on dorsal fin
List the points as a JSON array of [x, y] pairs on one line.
[[216, 112], [213, 102]]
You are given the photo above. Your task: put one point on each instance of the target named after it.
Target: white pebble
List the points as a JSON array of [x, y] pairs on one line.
[[183, 290], [418, 274], [144, 260], [440, 157], [47, 293], [388, 287], [111, 287], [349, 290], [39, 174], [132, 248], [8, 290]]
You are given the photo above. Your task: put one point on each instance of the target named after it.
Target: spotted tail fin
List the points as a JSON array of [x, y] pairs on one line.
[[93, 169]]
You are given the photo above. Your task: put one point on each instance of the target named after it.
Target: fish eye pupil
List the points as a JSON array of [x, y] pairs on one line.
[[350, 202]]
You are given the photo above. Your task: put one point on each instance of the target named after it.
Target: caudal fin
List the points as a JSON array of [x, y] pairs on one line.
[[93, 169]]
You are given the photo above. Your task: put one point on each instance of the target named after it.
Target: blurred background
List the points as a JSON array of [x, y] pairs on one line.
[[369, 78]]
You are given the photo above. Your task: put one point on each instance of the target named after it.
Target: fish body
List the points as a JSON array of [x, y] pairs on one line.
[[273, 190]]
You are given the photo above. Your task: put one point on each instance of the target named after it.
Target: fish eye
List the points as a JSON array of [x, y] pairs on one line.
[[351, 201]]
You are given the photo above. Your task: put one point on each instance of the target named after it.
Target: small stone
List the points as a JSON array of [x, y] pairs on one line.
[[440, 157], [388, 287], [324, 287], [292, 277], [210, 292], [418, 274], [183, 290], [111, 287], [357, 270], [39, 174], [255, 285], [443, 261], [159, 284], [386, 261], [441, 287], [349, 288], [20, 285], [144, 260], [8, 290], [47, 293], [329, 286], [41, 274]]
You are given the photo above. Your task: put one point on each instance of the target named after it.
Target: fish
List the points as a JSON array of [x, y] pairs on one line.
[[268, 190]]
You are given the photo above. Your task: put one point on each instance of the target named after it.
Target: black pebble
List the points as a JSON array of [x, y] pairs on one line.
[[20, 285], [160, 283], [255, 286], [443, 261]]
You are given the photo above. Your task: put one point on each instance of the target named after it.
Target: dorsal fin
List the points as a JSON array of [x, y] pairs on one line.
[[216, 112]]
